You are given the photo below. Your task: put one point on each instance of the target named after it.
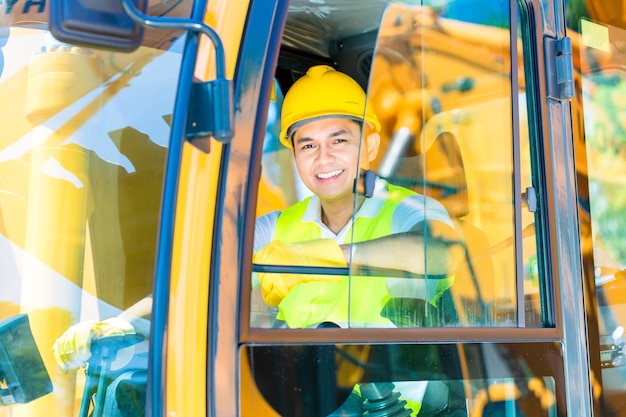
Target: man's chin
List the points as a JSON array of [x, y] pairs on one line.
[[334, 197]]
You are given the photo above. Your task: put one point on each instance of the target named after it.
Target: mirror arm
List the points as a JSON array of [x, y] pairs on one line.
[[180, 23], [224, 96]]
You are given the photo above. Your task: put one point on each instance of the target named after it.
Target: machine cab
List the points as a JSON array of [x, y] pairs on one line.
[[138, 159]]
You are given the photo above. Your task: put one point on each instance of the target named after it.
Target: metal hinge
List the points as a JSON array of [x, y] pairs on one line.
[[211, 110], [560, 68]]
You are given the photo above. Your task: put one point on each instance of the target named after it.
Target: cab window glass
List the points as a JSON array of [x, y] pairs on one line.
[[503, 379], [444, 100], [438, 217], [82, 157]]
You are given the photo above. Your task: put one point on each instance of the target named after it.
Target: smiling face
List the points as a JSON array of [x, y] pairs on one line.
[[327, 156]]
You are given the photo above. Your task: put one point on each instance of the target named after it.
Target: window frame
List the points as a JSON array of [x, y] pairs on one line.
[[532, 56]]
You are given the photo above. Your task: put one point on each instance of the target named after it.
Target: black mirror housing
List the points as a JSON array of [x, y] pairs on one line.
[[96, 24]]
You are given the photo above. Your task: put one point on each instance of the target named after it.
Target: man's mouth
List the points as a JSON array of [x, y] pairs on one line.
[[327, 175]]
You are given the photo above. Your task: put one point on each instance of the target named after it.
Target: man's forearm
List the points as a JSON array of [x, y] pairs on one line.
[[405, 252], [139, 315], [431, 248]]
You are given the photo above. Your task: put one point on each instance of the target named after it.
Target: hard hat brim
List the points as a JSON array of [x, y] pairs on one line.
[[287, 134]]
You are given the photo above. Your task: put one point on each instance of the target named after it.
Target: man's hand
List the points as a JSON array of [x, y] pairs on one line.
[[73, 348], [320, 252]]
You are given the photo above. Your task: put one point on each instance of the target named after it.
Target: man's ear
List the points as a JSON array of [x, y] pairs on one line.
[[373, 144]]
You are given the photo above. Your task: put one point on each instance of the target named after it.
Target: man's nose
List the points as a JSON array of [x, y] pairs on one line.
[[324, 154]]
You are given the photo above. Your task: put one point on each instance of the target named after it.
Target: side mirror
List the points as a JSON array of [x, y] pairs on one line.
[[96, 23], [23, 375]]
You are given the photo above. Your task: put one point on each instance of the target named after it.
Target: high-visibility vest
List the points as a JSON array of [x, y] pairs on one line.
[[355, 300]]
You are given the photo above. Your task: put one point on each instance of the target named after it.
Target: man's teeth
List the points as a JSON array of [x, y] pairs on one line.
[[326, 175]]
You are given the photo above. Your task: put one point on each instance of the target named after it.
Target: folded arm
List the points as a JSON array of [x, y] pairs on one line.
[[429, 248]]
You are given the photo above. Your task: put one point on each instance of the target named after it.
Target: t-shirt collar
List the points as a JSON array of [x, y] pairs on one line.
[[369, 209]]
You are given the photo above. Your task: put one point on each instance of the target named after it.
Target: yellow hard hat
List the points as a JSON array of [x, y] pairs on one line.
[[323, 92]]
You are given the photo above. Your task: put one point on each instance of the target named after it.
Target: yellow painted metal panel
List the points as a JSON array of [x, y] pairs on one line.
[[186, 349], [186, 352]]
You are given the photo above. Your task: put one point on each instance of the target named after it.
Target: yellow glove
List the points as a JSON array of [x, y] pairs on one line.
[[320, 252], [73, 348]]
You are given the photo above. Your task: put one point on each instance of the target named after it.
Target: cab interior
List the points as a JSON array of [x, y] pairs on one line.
[[441, 89], [447, 82]]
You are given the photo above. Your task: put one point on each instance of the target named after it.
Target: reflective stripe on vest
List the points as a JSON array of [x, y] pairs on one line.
[[291, 228]]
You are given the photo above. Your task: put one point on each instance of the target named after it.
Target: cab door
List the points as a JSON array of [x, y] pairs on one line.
[[468, 125], [86, 132]]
